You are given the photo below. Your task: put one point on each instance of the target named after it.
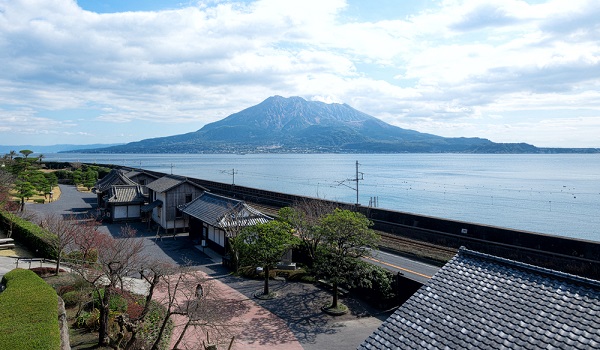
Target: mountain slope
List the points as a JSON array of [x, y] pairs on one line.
[[293, 124]]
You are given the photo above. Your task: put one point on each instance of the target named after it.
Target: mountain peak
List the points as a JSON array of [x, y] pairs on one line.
[[293, 125]]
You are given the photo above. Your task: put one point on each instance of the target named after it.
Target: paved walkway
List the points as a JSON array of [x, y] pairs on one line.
[[291, 321]]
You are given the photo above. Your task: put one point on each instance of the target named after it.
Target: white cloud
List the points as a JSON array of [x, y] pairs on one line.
[[454, 67]]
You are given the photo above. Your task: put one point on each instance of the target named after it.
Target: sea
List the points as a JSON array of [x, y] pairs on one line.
[[557, 194]]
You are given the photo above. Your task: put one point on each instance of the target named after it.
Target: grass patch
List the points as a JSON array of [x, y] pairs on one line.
[[28, 312], [340, 310]]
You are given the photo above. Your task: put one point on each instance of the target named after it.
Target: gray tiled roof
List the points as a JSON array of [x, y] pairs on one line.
[[114, 177], [480, 301], [126, 194], [148, 207], [222, 211], [168, 182]]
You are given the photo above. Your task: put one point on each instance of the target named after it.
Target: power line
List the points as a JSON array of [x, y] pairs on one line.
[[231, 172], [355, 179]]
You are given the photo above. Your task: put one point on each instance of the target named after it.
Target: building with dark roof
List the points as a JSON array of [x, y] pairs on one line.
[[213, 218], [102, 186], [479, 301], [141, 177], [124, 202], [166, 195]]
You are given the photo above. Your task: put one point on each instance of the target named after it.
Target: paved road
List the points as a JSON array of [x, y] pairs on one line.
[[412, 269]]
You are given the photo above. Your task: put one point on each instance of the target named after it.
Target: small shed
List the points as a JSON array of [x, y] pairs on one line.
[[213, 219]]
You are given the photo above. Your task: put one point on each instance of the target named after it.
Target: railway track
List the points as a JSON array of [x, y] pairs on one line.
[[430, 253]]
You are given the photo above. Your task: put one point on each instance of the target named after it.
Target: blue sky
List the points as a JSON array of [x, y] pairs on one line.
[[92, 71]]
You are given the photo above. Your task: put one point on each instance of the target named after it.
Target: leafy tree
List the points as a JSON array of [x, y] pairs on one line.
[[264, 245], [26, 152], [305, 219], [346, 237], [77, 177], [89, 178], [24, 190], [38, 179], [52, 182]]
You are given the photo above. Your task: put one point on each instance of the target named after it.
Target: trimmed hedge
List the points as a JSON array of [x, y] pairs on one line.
[[29, 234], [28, 313]]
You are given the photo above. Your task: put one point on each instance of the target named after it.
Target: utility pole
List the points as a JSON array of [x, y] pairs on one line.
[[356, 179], [231, 172]]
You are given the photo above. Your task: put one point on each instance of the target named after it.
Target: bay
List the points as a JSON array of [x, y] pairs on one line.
[[552, 194]]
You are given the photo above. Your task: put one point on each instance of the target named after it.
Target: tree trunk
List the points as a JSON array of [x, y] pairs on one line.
[[163, 326], [57, 264], [103, 339], [334, 303], [185, 328], [266, 289]]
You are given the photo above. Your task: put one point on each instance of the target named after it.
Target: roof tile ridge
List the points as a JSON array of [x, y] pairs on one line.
[[462, 251]]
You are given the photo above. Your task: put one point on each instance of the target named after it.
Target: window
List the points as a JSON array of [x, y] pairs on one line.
[[188, 198]]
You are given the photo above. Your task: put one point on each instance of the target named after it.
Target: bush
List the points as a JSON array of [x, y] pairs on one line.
[[29, 234], [77, 256], [116, 303], [375, 285], [28, 313], [39, 201], [45, 271], [89, 320], [71, 298]]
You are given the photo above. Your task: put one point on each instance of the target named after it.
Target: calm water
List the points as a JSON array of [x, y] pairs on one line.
[[555, 194]]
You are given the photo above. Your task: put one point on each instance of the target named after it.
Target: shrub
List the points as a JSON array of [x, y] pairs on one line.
[[71, 298], [39, 200], [116, 303], [77, 256], [29, 234], [62, 290], [28, 312], [89, 320], [45, 271], [375, 284]]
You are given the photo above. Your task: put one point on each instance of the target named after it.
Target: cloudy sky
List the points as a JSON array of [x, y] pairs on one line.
[[93, 71]]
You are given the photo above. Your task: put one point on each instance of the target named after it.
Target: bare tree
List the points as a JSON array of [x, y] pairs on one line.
[[117, 257], [6, 181], [62, 236], [88, 238], [152, 272], [190, 294]]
